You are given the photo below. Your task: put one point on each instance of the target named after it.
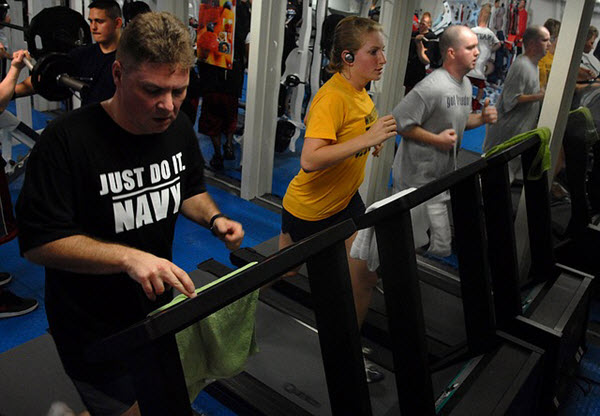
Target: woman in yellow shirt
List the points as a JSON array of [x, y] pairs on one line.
[[341, 126]]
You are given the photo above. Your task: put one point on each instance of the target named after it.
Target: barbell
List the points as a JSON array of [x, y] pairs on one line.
[[51, 34], [50, 79]]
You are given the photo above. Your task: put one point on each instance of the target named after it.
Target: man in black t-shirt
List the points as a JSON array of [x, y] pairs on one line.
[[423, 51], [93, 63], [103, 189]]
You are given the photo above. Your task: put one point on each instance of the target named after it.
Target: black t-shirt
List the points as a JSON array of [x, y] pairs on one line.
[[415, 69], [88, 176], [90, 62]]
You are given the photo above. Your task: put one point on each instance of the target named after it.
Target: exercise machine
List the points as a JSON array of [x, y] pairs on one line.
[[150, 346], [554, 315], [500, 374]]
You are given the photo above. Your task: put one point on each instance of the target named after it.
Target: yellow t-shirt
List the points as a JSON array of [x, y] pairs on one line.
[[544, 65], [338, 113]]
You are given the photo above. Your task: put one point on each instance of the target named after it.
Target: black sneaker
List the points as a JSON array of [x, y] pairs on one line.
[[373, 373], [228, 152], [12, 305], [216, 163], [5, 278]]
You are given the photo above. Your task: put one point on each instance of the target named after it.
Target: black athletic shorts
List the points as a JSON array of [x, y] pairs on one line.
[[299, 229]]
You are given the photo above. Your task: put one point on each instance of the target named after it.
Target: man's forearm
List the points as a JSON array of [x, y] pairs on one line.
[[421, 54], [82, 254], [7, 87], [24, 88], [419, 134], [529, 98], [200, 209], [475, 120]]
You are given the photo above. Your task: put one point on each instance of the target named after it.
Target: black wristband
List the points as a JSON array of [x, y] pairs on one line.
[[211, 223]]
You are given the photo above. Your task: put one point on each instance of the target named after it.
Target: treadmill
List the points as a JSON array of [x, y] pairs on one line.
[[150, 347], [440, 291], [443, 308], [288, 369], [445, 319], [555, 314], [485, 384]]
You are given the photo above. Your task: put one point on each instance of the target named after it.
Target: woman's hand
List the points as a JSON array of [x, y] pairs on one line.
[[383, 129]]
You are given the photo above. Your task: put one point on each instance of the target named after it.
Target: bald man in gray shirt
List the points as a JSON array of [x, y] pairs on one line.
[[431, 120]]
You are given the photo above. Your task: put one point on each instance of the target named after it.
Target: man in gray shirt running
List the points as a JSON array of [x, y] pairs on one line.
[[431, 120], [521, 99]]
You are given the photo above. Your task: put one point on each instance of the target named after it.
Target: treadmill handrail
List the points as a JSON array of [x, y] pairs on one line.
[[512, 152], [189, 311], [420, 195]]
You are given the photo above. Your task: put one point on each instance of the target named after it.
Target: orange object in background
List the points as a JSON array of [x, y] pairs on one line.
[[216, 23]]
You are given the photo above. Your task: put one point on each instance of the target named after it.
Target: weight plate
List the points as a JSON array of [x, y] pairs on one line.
[[56, 29], [45, 74]]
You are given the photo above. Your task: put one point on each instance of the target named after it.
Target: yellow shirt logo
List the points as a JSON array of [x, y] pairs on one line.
[[371, 118]]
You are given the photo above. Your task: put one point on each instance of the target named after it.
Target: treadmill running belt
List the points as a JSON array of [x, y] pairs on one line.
[[289, 362]]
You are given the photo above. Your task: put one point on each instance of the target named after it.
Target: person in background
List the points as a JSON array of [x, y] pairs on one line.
[[488, 44], [221, 91], [583, 189], [93, 63], [342, 126], [521, 99], [558, 192], [422, 53], [10, 304], [4, 17], [132, 9], [431, 120], [545, 63]]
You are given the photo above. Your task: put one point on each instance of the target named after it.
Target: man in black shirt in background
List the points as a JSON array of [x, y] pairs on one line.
[[93, 63]]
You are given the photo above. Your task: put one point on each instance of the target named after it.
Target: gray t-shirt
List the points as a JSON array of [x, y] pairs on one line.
[[514, 118], [4, 39], [437, 103], [589, 96]]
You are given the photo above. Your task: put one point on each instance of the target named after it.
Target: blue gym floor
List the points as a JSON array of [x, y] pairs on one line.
[[194, 244]]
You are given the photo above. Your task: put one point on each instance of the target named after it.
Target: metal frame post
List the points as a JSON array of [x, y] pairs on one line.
[[502, 253], [264, 74], [335, 315], [398, 268], [471, 247], [396, 18], [159, 379], [539, 221]]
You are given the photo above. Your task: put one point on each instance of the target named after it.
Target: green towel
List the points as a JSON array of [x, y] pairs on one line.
[[541, 162], [582, 119], [219, 345]]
